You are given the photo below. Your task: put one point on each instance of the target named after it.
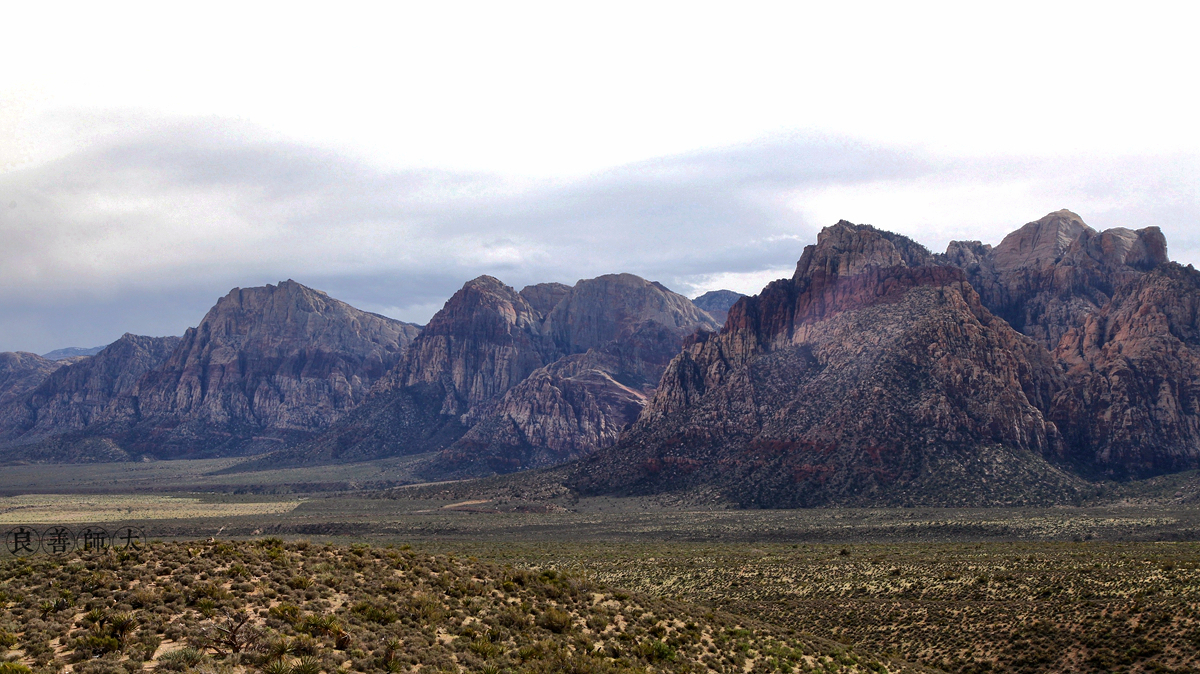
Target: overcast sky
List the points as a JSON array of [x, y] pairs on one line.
[[153, 157]]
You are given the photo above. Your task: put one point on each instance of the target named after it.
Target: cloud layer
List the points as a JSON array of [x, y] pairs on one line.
[[143, 229]]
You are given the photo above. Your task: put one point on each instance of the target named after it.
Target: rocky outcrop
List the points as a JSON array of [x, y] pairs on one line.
[[870, 376], [485, 340], [717, 303], [501, 380], [618, 333], [20, 373], [265, 366], [545, 296], [1119, 318], [1133, 405], [1051, 274], [96, 389]]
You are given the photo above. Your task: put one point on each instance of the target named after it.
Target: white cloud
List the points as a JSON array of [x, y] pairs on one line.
[[159, 154]]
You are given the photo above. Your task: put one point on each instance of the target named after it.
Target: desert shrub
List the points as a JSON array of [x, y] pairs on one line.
[[181, 660], [95, 645], [144, 599], [300, 582], [374, 613], [321, 625], [305, 645], [286, 612], [656, 651], [101, 666], [555, 620], [14, 668], [513, 618], [200, 591], [307, 665], [277, 667]]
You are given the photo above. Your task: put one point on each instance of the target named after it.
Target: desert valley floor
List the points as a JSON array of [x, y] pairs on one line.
[[1111, 585]]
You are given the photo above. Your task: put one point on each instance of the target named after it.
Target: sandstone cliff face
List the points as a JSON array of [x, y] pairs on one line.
[[869, 376], [545, 296], [524, 383], [266, 361], [717, 303], [618, 332], [97, 389], [1133, 407], [1050, 275], [21, 372], [265, 365], [485, 340], [1116, 315]]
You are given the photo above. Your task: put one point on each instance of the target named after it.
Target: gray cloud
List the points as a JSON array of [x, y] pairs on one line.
[[141, 232]]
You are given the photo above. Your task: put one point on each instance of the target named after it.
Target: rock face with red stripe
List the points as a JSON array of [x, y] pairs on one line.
[[872, 375]]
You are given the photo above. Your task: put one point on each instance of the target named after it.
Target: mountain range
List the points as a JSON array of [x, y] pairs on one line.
[[879, 373]]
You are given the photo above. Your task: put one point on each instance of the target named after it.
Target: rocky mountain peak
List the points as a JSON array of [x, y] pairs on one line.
[[484, 340], [1040, 243], [718, 302], [545, 296], [1047, 276], [488, 308], [846, 249], [600, 310]]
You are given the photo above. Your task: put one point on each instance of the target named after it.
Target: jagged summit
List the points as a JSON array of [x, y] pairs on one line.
[[846, 249], [877, 373]]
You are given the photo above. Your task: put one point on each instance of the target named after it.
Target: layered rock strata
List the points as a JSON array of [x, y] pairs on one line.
[[871, 375], [501, 380], [265, 366]]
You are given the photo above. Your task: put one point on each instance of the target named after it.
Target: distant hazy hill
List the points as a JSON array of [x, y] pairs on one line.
[[717, 302], [72, 352]]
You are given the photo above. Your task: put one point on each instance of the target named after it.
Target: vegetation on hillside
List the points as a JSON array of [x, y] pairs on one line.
[[301, 608]]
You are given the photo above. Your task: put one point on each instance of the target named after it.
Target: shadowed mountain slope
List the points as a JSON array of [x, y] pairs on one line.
[[1122, 322], [265, 365], [21, 372], [502, 380], [871, 376]]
